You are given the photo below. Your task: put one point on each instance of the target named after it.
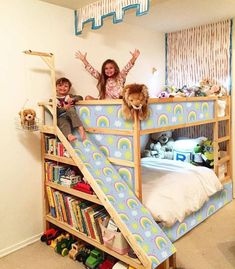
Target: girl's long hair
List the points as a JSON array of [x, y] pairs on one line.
[[101, 85]]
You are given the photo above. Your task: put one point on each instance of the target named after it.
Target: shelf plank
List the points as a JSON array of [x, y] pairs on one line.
[[76, 193], [60, 159], [47, 129], [125, 258]]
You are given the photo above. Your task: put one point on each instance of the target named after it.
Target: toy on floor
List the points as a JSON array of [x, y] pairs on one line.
[[120, 265], [95, 258], [58, 239], [135, 97], [49, 235], [161, 146], [64, 245], [84, 253], [74, 251], [108, 263]]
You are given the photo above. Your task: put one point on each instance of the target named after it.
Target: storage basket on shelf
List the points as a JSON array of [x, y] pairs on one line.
[[115, 241]]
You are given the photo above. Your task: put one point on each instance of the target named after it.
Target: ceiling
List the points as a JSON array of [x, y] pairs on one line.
[[170, 15]]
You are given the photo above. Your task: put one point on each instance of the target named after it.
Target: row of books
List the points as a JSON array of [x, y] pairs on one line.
[[82, 215], [55, 147], [55, 172]]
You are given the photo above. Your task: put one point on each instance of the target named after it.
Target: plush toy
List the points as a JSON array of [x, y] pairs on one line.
[[27, 118], [208, 153], [213, 89], [203, 154], [161, 146], [135, 97]]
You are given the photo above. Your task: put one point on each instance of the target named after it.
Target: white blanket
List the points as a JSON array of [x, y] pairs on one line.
[[173, 190]]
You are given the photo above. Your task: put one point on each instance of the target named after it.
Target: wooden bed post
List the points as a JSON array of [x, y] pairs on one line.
[[215, 137], [137, 157], [229, 142]]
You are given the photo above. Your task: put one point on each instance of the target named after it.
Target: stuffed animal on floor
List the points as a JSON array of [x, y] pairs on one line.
[[27, 118], [135, 97], [161, 146]]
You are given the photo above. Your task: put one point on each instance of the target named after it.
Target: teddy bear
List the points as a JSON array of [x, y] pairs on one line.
[[135, 97], [161, 146], [27, 118]]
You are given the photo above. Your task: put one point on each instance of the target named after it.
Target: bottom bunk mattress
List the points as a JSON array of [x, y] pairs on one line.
[[173, 190]]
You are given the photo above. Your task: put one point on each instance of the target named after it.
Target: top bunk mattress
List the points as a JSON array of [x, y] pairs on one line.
[[173, 190]]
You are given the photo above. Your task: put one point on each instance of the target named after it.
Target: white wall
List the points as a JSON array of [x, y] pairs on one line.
[[35, 25]]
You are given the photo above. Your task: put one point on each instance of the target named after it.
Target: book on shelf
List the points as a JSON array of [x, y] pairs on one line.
[[68, 212], [63, 207], [88, 220], [51, 202], [58, 172], [79, 214], [101, 218], [72, 213], [83, 206], [60, 149], [51, 146], [74, 204], [91, 213], [49, 170]]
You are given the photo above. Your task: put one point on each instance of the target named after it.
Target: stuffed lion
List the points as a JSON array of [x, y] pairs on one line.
[[135, 97]]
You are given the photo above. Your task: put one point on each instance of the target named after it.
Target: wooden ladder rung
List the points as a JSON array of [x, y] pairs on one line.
[[223, 139], [223, 118], [223, 160], [225, 179]]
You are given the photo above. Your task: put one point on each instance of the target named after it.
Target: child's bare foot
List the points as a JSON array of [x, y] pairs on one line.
[[82, 133], [71, 137]]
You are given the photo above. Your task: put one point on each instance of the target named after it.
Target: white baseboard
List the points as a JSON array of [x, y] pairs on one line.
[[8, 250]]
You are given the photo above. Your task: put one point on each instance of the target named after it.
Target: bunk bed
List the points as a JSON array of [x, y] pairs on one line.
[[121, 141], [110, 159]]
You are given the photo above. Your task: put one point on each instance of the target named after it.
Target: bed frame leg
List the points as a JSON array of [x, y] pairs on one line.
[[169, 263], [172, 261]]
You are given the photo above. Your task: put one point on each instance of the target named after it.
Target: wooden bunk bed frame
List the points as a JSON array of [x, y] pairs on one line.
[[136, 131]]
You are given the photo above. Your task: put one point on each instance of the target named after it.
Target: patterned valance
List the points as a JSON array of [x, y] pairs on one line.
[[95, 12]]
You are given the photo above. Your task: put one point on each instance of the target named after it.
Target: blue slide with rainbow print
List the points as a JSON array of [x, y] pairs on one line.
[[146, 238]]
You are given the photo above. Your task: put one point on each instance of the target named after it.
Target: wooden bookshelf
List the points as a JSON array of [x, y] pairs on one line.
[[49, 220]]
